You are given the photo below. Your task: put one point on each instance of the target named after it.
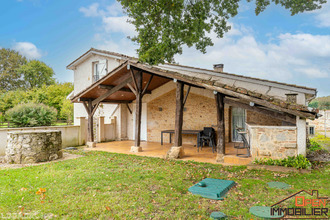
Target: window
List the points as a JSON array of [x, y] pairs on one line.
[[311, 130], [99, 69]]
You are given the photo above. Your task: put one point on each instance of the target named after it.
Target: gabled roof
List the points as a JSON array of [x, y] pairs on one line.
[[114, 78], [206, 72]]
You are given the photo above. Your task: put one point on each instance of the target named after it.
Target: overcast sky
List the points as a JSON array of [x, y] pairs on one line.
[[273, 45]]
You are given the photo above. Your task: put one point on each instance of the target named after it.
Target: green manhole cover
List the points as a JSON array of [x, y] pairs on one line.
[[218, 215], [278, 185], [264, 212], [212, 188]]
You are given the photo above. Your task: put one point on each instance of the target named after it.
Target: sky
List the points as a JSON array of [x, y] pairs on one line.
[[273, 45]]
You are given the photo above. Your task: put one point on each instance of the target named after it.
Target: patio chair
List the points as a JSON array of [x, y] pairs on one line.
[[242, 145], [207, 137]]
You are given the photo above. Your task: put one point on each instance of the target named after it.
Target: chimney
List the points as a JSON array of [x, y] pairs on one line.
[[218, 67]]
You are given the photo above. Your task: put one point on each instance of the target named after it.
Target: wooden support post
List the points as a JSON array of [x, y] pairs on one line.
[[178, 115], [219, 97], [139, 92], [90, 111], [138, 111], [176, 150]]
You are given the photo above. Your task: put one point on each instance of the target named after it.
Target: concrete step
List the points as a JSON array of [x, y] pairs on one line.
[[235, 160]]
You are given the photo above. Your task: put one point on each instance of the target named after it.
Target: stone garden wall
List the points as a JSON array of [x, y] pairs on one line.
[[272, 141], [25, 147]]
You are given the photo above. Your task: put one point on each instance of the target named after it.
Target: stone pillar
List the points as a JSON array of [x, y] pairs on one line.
[[301, 135], [82, 130], [101, 129]]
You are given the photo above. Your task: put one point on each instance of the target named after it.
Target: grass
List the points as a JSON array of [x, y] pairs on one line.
[[322, 140], [106, 185]]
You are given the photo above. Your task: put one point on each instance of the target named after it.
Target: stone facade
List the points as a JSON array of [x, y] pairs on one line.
[[199, 112], [321, 122], [272, 141], [33, 146]]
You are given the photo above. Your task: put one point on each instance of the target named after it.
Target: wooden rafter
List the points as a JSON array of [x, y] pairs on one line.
[[147, 85], [113, 90], [185, 98], [131, 88]]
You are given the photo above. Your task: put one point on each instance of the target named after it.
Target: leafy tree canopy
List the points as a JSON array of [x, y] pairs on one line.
[[164, 26], [36, 74], [322, 103], [10, 60], [52, 95]]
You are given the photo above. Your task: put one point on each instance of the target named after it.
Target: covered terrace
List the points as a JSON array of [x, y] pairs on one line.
[[130, 81]]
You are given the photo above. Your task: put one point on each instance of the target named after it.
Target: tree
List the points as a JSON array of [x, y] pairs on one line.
[[10, 60], [164, 26], [36, 74], [67, 111], [12, 98], [321, 103], [52, 95]]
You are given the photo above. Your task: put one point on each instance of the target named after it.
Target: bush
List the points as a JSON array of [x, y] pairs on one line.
[[31, 115], [299, 162], [314, 145]]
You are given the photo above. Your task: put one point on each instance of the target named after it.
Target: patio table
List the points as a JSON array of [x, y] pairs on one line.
[[170, 132]]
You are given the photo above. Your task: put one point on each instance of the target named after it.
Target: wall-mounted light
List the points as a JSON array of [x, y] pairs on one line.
[[184, 109], [128, 66], [215, 92], [160, 109], [251, 104], [175, 80]]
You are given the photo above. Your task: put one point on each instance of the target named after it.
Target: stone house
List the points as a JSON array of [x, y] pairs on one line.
[[321, 124], [141, 101]]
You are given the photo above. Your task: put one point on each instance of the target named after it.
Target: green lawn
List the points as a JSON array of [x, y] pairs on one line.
[[107, 185], [322, 140]]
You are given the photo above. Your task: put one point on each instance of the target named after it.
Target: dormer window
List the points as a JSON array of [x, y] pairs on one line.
[[99, 69]]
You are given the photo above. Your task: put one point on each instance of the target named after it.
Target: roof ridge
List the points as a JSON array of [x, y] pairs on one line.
[[191, 67]]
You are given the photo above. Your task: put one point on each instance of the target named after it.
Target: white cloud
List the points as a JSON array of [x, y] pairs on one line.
[[322, 16], [286, 57], [28, 49], [113, 20], [118, 25], [91, 11], [313, 72]]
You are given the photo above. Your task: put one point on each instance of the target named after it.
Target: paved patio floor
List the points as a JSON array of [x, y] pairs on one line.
[[154, 149]]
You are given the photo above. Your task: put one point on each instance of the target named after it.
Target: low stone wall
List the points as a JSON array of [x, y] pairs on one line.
[[33, 146], [274, 142], [71, 135]]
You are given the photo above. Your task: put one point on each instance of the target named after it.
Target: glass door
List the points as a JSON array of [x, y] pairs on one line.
[[238, 121]]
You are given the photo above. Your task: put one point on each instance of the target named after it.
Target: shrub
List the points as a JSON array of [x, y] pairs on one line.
[[299, 162], [314, 145], [31, 115]]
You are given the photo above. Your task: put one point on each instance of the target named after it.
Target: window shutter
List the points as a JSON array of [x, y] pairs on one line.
[[102, 68]]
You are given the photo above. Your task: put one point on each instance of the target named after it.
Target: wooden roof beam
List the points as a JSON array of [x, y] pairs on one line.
[[109, 87], [279, 115], [113, 90]]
